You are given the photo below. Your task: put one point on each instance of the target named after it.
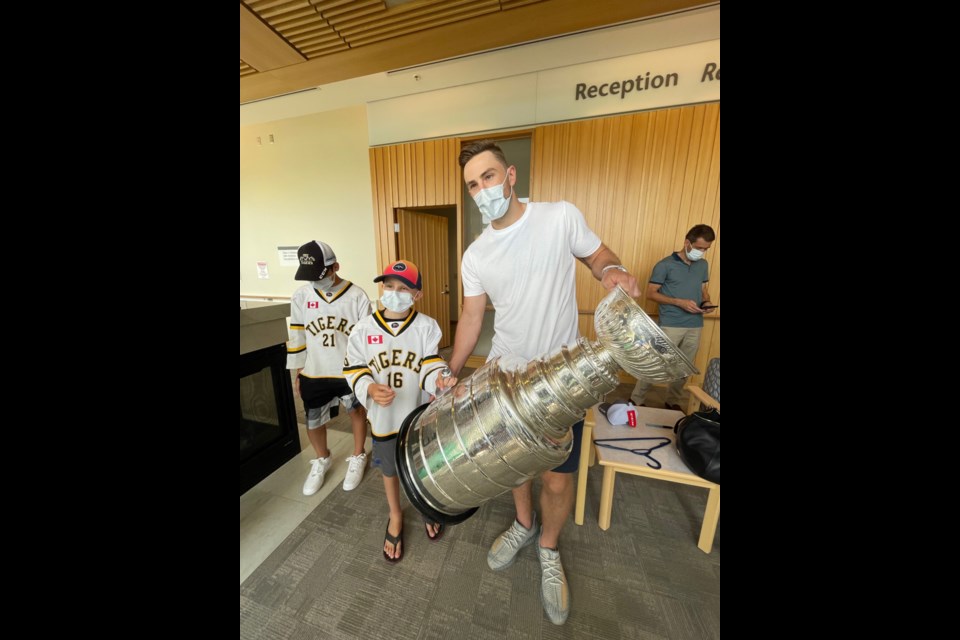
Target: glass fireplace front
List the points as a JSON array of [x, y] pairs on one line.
[[268, 419]]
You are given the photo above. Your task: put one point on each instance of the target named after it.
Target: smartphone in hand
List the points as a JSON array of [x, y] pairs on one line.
[[707, 307]]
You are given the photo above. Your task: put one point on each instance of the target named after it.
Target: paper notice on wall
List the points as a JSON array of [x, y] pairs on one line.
[[262, 272], [288, 256]]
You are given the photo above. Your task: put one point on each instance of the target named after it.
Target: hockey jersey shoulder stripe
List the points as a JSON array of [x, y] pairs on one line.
[[431, 360], [426, 374], [296, 327], [349, 371], [297, 349], [353, 383]]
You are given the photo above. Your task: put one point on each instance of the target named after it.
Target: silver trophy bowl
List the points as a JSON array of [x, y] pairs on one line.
[[510, 421]]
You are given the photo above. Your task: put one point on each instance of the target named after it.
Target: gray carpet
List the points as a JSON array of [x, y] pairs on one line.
[[643, 578]]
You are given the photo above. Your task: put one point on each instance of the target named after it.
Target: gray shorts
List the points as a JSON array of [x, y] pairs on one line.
[[316, 418], [385, 456]]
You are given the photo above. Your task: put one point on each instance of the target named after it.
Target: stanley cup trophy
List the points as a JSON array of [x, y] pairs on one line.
[[511, 420]]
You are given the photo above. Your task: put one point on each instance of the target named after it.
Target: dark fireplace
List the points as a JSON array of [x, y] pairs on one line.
[[268, 420]]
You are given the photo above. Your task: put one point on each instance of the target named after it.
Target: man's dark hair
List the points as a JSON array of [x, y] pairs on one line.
[[480, 146], [701, 231]]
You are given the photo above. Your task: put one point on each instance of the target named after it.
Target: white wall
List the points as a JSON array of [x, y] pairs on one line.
[[312, 183], [588, 90]]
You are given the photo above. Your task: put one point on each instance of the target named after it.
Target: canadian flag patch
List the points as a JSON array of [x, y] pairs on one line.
[[631, 417], [374, 339], [313, 304]]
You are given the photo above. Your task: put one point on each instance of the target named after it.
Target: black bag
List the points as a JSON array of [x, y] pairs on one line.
[[698, 443]]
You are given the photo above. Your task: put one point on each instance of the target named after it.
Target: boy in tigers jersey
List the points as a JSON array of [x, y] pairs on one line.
[[322, 314], [392, 356]]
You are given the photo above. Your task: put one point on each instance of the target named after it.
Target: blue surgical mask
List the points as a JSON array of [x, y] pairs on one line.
[[397, 301], [694, 254], [492, 203]]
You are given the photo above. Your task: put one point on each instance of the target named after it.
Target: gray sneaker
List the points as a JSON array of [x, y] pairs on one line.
[[504, 549], [554, 592]]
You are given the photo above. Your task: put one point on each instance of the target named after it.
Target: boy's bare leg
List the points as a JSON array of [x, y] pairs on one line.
[[318, 438], [358, 423], [392, 488]]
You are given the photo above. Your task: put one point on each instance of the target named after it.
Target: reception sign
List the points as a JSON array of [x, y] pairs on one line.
[[656, 79]]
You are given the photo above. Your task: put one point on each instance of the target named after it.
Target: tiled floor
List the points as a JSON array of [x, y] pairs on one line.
[[274, 508]]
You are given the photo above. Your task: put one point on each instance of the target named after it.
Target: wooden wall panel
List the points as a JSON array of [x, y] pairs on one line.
[[417, 174], [641, 180]]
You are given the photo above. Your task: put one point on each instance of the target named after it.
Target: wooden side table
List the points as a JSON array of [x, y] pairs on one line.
[[614, 461]]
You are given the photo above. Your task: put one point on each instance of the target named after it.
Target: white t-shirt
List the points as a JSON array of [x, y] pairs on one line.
[[527, 270]]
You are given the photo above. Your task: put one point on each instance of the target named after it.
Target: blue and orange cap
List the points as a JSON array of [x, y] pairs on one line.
[[405, 271]]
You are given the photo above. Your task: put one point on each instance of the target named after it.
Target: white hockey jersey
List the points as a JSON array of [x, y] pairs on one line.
[[320, 324], [401, 354]]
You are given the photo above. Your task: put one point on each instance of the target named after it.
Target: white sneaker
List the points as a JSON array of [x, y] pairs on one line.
[[314, 479], [504, 549], [554, 592], [354, 471]]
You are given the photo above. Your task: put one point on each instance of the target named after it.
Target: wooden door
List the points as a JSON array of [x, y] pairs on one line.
[[422, 240]]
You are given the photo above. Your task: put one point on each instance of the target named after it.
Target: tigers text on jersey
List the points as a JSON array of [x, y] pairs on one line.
[[320, 324], [401, 354]]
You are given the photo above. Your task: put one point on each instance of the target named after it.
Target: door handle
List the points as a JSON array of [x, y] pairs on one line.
[[446, 290]]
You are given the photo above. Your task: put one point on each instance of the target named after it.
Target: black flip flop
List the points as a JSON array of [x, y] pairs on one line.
[[439, 533], [394, 540]]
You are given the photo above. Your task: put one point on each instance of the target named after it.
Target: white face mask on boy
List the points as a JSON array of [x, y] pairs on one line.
[[694, 254], [325, 283], [492, 203], [397, 301]]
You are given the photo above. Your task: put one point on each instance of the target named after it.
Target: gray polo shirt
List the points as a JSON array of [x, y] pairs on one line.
[[677, 279]]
